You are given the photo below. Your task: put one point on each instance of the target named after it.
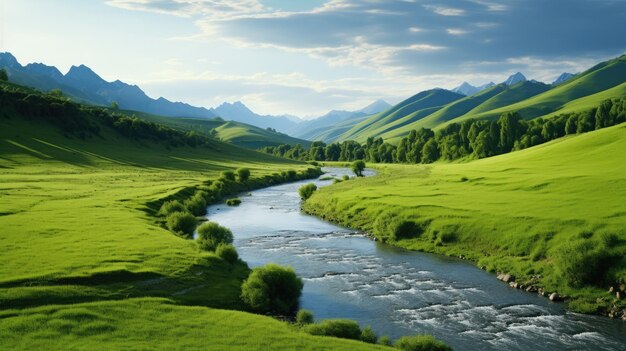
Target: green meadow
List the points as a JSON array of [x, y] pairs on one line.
[[552, 215], [83, 259]]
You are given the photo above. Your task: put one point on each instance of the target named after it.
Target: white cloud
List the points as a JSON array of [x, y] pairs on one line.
[[217, 9], [446, 11], [456, 31]]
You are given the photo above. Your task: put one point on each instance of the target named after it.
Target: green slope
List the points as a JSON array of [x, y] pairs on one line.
[[587, 89], [413, 107], [77, 227], [237, 133], [153, 324], [514, 213]]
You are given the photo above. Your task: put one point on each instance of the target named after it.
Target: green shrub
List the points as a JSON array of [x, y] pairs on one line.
[[227, 252], [4, 77], [304, 317], [243, 174], [233, 202], [171, 207], [339, 328], [181, 223], [307, 190], [358, 167], [421, 343], [388, 227], [291, 175], [584, 262], [384, 340], [272, 289], [345, 177], [197, 204], [211, 234], [327, 178], [368, 335], [228, 175]]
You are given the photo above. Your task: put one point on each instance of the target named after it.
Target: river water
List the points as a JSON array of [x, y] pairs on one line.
[[400, 292]]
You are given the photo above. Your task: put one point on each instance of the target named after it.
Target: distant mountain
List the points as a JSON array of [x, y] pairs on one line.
[[515, 78], [83, 84], [239, 112], [563, 78], [468, 89], [375, 107], [313, 128]]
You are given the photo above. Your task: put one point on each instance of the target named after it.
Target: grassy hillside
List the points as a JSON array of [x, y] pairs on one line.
[[586, 90], [525, 212], [531, 99], [237, 133], [408, 110], [77, 227], [155, 324]]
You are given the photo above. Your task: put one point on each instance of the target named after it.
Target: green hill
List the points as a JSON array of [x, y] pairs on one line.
[[531, 99], [552, 215], [82, 256], [237, 133], [584, 91], [405, 112]]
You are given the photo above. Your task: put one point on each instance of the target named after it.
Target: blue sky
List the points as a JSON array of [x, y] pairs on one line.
[[305, 57]]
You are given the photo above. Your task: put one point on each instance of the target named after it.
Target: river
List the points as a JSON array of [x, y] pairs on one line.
[[400, 292]]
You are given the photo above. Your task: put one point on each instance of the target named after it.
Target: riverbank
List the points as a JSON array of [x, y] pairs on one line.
[[83, 259], [552, 216]]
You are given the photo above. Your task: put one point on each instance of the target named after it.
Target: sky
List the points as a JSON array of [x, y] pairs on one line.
[[306, 57]]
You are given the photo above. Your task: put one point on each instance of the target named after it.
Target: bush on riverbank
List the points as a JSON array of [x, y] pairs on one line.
[[389, 227], [227, 252], [307, 190], [211, 235], [243, 174], [304, 317], [182, 223], [233, 202], [339, 328], [272, 289], [197, 203], [172, 206], [421, 343]]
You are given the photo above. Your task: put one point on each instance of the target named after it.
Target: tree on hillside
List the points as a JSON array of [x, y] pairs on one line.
[[510, 130], [272, 289], [4, 77], [358, 167], [430, 153], [115, 105]]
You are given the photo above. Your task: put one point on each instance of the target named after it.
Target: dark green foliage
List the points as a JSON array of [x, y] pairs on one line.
[[171, 207], [197, 203], [243, 174], [181, 223], [358, 167], [339, 328], [389, 227], [585, 261], [307, 190], [228, 176], [368, 335], [4, 77], [272, 289], [384, 340], [421, 343], [475, 138], [227, 252], [211, 235], [304, 317], [233, 202]]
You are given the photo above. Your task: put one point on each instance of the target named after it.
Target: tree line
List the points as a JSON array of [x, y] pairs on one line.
[[84, 121], [470, 138]]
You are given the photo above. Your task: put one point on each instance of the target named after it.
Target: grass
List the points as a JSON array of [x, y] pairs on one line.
[[510, 213], [82, 257], [236, 133], [155, 324]]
